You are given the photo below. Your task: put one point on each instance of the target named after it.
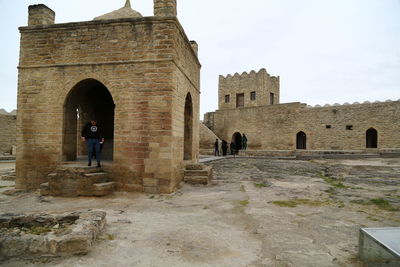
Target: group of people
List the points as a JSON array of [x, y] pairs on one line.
[[93, 136], [233, 147]]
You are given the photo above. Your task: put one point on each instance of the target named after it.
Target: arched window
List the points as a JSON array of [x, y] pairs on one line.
[[301, 140], [371, 138], [188, 128]]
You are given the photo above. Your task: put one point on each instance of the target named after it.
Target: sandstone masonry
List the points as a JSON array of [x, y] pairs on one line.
[[292, 126], [7, 133], [138, 75]]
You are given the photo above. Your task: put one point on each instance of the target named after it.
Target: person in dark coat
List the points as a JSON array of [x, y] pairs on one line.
[[93, 136], [224, 147], [244, 142], [216, 148], [232, 148]]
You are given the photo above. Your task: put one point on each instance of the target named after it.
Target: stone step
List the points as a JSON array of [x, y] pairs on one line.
[[204, 172], [78, 168], [44, 189], [97, 177], [197, 179], [195, 166], [102, 189], [72, 181]]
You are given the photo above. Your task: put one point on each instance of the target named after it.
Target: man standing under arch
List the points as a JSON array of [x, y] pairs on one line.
[[93, 136]]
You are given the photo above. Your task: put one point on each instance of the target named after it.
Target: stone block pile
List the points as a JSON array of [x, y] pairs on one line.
[[49, 235]]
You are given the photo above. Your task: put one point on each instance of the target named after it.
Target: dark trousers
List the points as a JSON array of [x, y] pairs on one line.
[[93, 145]]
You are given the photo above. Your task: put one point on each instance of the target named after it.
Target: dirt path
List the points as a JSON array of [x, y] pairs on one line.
[[257, 213]]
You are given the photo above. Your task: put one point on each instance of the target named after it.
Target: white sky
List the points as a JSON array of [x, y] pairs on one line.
[[325, 51]]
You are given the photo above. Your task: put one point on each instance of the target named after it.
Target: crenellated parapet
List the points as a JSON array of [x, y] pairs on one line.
[[346, 104], [249, 89], [245, 74], [11, 113]]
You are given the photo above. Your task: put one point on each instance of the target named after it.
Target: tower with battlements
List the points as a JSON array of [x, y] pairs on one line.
[[248, 90]]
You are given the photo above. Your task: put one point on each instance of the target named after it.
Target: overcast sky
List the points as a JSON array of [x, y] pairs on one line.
[[325, 51]]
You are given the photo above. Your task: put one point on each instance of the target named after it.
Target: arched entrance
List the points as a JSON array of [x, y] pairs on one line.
[[87, 99], [301, 140], [237, 141], [188, 129], [372, 138]]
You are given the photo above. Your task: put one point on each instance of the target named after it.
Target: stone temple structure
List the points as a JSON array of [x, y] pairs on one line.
[[138, 75], [249, 103]]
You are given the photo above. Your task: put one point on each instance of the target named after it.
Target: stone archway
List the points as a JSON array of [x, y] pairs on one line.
[[237, 140], [301, 140], [188, 128], [371, 138], [87, 99]]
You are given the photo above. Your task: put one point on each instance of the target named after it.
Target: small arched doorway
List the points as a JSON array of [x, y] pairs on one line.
[[87, 99], [188, 129], [372, 138], [301, 140], [237, 141]]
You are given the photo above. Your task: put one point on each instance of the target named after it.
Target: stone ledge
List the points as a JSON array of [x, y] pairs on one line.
[[49, 235]]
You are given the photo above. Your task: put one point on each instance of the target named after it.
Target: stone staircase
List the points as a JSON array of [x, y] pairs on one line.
[[73, 181], [197, 173]]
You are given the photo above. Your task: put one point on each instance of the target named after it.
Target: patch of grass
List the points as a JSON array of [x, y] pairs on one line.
[[356, 188], [285, 203], [3, 186], [383, 204], [205, 208], [359, 201], [378, 202], [242, 189], [260, 185], [373, 219], [38, 230], [292, 203], [340, 204], [244, 202], [301, 215], [330, 190], [110, 237], [333, 182]]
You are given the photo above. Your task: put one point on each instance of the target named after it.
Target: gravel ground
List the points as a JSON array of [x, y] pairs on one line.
[[257, 212]]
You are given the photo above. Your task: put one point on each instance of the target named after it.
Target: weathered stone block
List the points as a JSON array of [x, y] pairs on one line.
[[44, 235]]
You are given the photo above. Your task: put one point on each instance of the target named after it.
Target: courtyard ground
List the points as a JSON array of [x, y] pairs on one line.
[[257, 212]]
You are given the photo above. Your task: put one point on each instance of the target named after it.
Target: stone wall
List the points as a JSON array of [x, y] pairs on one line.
[[7, 133], [147, 65], [207, 137], [259, 82], [342, 127]]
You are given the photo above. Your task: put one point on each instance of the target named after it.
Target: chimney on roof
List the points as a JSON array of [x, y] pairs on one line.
[[165, 8], [40, 15]]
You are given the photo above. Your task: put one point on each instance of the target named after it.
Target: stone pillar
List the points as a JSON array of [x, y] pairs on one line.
[[165, 8], [195, 47], [40, 15]]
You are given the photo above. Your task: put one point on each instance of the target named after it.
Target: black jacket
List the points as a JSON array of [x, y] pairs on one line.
[[92, 131]]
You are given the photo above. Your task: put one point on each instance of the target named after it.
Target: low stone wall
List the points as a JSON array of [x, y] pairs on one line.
[[8, 124], [305, 154], [55, 235], [339, 127]]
